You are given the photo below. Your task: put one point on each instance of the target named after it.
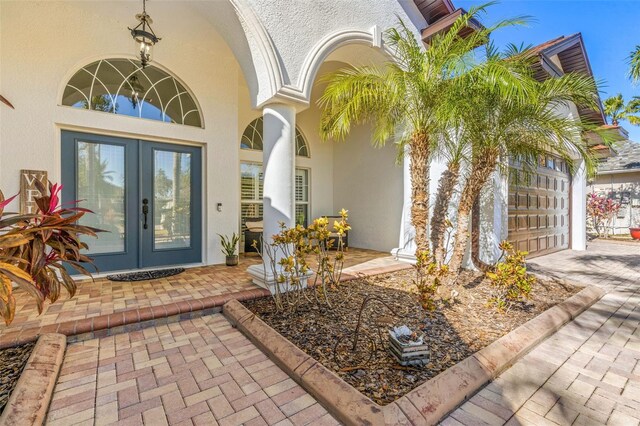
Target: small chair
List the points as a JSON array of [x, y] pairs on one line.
[[253, 232]]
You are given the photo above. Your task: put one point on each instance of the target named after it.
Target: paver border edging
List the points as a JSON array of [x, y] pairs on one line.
[[126, 317], [29, 401], [429, 402]]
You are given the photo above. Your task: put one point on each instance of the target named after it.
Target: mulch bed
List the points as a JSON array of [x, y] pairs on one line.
[[12, 362], [454, 331]]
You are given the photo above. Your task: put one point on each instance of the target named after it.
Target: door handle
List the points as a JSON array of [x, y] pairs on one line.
[[145, 212]]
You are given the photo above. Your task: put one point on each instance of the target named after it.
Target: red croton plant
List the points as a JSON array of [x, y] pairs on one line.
[[34, 249]]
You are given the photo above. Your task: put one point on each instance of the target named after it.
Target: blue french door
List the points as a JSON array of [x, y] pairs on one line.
[[146, 195]]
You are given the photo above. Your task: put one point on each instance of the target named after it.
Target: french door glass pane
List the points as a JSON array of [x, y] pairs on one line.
[[101, 179], [172, 200]]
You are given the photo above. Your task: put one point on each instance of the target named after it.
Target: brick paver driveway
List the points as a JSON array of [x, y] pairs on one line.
[[588, 372]]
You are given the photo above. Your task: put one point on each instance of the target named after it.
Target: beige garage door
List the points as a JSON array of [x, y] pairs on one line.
[[539, 208]]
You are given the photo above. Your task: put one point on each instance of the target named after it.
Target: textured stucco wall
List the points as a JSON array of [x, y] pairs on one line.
[[368, 182], [319, 19], [614, 185]]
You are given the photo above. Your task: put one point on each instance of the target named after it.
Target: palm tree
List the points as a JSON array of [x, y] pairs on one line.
[[498, 126], [454, 151], [634, 60], [616, 109], [401, 98]]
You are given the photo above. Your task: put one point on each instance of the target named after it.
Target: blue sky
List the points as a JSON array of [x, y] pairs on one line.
[[610, 28]]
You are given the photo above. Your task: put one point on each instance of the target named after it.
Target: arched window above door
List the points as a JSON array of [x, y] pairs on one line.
[[122, 86], [253, 135]]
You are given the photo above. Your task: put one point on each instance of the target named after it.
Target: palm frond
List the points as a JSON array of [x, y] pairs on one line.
[[634, 62]]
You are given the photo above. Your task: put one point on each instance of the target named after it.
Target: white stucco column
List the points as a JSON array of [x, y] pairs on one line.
[[494, 217], [278, 162], [406, 245], [279, 178], [579, 207]]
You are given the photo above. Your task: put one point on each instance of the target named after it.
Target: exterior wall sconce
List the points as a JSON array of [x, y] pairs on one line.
[[144, 36]]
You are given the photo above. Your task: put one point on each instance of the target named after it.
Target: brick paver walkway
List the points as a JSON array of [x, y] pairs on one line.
[[588, 373], [102, 297], [195, 372]]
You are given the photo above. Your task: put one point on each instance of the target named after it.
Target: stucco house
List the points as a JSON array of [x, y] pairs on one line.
[[222, 126], [619, 178]]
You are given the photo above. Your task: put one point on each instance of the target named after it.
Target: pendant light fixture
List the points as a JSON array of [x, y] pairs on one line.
[[144, 36]]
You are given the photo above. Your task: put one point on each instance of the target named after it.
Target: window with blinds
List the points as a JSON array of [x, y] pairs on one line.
[[302, 197], [251, 186]]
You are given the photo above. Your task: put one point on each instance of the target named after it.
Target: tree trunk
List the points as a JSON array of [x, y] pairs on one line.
[[446, 186], [482, 167], [419, 154]]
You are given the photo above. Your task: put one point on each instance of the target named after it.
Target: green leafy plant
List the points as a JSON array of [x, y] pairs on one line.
[[515, 120], [428, 277], [402, 99], [634, 62], [229, 244], [509, 279], [35, 248], [616, 109]]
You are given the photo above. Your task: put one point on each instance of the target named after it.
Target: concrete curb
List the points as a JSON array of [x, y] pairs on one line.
[[29, 401], [342, 401], [429, 402]]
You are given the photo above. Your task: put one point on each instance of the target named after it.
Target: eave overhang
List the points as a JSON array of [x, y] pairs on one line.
[[445, 24]]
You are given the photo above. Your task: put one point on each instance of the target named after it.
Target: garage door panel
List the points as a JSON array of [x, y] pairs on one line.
[[543, 243], [522, 222], [522, 201], [539, 209]]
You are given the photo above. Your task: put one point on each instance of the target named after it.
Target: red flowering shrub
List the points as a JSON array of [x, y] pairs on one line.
[[601, 211]]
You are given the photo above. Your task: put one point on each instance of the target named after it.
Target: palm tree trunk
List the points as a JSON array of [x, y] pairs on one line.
[[446, 186], [481, 170], [419, 154]]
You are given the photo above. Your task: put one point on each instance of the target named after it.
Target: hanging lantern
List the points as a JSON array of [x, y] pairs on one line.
[[144, 36]]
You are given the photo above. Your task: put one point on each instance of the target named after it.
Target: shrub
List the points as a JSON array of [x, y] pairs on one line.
[[601, 211], [286, 257], [428, 277], [509, 279], [35, 248]]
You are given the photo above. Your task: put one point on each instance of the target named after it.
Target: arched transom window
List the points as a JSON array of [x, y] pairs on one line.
[[252, 138], [122, 86]]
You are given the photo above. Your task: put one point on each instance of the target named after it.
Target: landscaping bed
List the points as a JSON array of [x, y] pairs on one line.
[[12, 362], [453, 331]]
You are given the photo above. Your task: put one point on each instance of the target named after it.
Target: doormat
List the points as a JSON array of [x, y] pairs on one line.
[[145, 275]]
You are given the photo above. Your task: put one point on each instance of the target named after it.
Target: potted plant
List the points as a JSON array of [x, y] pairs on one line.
[[229, 247], [635, 232]]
